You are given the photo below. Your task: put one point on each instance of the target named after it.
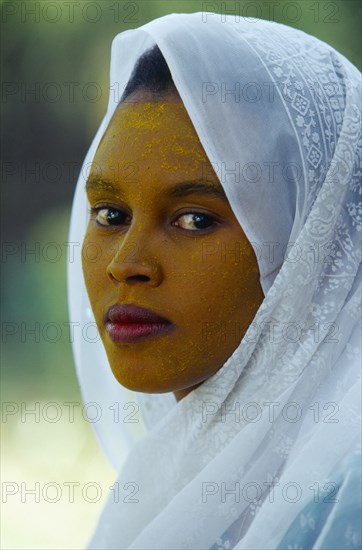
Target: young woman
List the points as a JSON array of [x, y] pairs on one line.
[[219, 213]]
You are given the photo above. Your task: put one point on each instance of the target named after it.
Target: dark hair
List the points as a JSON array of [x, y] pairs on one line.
[[150, 73]]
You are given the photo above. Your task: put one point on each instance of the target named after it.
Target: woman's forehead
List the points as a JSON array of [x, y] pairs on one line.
[[158, 133], [151, 115]]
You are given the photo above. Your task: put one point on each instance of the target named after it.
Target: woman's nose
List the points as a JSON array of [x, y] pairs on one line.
[[131, 265]]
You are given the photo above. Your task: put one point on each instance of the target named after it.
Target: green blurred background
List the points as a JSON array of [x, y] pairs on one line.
[[55, 63]]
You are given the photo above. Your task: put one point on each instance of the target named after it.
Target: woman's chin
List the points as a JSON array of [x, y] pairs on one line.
[[143, 382]]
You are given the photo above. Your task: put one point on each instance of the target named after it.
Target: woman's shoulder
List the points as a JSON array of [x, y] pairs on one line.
[[331, 520]]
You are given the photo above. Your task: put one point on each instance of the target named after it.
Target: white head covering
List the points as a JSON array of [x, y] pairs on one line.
[[278, 114]]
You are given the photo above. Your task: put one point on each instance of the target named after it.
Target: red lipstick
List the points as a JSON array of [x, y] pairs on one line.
[[128, 323]]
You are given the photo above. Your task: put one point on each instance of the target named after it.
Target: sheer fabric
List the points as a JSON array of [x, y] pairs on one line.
[[265, 453]]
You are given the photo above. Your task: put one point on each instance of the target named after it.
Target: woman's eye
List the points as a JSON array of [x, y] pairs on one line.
[[109, 216], [195, 221], [192, 221]]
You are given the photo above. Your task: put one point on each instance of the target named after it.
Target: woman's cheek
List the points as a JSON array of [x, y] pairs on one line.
[[92, 261]]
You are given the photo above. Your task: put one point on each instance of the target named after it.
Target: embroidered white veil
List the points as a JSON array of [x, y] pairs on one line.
[[278, 114]]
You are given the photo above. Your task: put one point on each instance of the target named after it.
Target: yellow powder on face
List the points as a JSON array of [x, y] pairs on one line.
[[145, 115], [211, 303], [150, 116]]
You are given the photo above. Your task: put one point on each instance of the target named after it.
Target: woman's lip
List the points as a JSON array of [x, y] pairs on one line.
[[128, 333], [131, 313]]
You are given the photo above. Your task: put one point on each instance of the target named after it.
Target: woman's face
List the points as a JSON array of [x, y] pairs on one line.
[[162, 244]]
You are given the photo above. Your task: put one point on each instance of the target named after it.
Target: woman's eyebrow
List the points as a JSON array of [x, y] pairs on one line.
[[198, 188], [99, 184], [181, 189]]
